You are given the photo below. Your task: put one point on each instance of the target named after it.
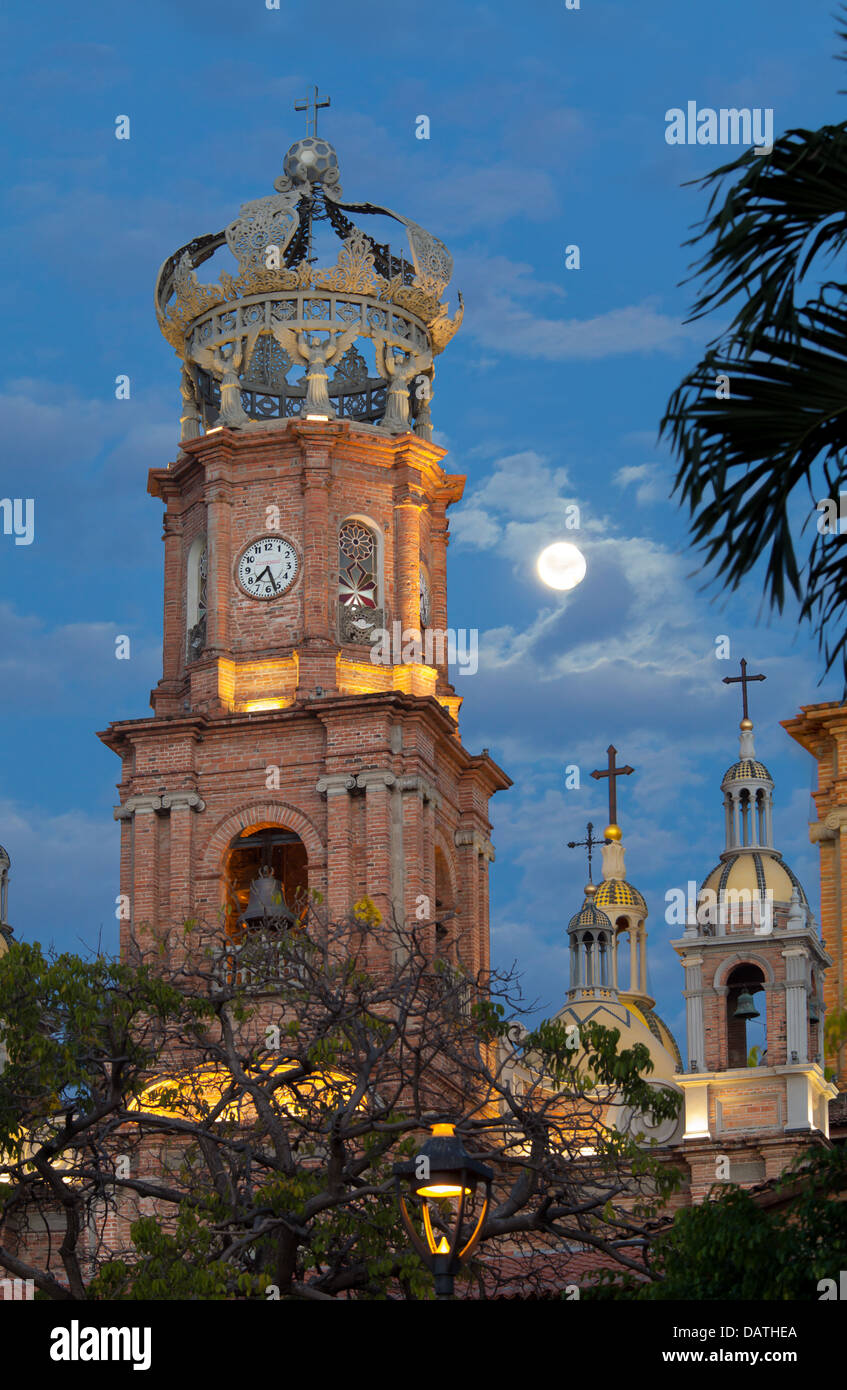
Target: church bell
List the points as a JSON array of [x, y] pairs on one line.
[[745, 1008], [266, 903]]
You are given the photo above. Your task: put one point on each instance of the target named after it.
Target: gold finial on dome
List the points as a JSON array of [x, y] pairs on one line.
[[613, 832], [746, 725], [590, 890]]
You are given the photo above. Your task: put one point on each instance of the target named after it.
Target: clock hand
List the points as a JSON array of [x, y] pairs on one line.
[[267, 571]]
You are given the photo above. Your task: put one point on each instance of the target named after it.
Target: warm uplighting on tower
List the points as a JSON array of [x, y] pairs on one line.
[[561, 565]]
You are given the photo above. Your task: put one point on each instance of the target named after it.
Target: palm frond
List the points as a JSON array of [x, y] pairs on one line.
[[743, 458]]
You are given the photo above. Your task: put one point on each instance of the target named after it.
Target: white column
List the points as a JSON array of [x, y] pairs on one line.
[[695, 1028], [796, 1005]]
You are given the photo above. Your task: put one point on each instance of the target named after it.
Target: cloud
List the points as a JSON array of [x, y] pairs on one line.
[[509, 312], [64, 875], [650, 479], [40, 664]]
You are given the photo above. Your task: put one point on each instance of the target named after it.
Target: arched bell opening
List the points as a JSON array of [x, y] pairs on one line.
[[603, 960], [266, 879], [588, 971], [630, 963], [746, 1017], [761, 825], [445, 910], [746, 817]]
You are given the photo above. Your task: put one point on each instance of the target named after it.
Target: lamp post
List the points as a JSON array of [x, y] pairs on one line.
[[443, 1170]]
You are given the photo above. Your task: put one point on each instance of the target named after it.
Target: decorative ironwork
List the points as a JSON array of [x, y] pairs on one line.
[[359, 625], [425, 602], [262, 962], [221, 329], [357, 586], [588, 843], [359, 618], [197, 633], [356, 541]]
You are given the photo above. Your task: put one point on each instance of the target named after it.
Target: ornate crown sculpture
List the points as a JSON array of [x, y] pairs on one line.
[[257, 347]]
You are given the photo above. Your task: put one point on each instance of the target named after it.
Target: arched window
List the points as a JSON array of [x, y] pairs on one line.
[[746, 1017], [425, 597], [445, 910], [271, 853], [746, 817], [604, 976], [588, 971], [195, 605], [359, 579]]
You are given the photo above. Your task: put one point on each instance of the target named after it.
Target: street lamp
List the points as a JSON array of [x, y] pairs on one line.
[[443, 1170]]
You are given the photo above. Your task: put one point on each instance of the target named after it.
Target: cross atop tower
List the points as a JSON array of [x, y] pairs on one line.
[[314, 105], [588, 843], [743, 680], [613, 830]]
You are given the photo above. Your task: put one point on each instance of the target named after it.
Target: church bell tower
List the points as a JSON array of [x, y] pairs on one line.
[[305, 729], [752, 951]]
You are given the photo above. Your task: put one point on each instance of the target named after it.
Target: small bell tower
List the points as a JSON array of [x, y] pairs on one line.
[[752, 953]]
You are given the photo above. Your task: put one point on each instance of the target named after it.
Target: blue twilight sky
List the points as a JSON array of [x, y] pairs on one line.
[[547, 129]]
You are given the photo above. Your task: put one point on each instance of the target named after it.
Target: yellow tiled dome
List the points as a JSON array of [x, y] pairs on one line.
[[615, 892], [746, 769], [590, 916]]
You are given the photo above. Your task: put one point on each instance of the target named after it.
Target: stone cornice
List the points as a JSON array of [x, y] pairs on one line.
[[425, 788], [480, 843], [335, 782], [375, 777], [737, 1076], [151, 804], [830, 827]]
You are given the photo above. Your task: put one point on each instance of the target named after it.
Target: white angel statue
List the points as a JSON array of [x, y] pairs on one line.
[[398, 372], [318, 354]]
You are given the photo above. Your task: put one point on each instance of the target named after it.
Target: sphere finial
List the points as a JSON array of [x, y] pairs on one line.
[[613, 832], [311, 160], [590, 890], [746, 725]]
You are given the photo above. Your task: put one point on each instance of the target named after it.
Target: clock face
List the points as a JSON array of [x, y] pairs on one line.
[[268, 567]]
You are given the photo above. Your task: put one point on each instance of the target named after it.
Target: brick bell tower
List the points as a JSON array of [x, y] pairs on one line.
[[305, 519]]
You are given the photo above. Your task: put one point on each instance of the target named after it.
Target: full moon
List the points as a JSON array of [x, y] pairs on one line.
[[561, 565]]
